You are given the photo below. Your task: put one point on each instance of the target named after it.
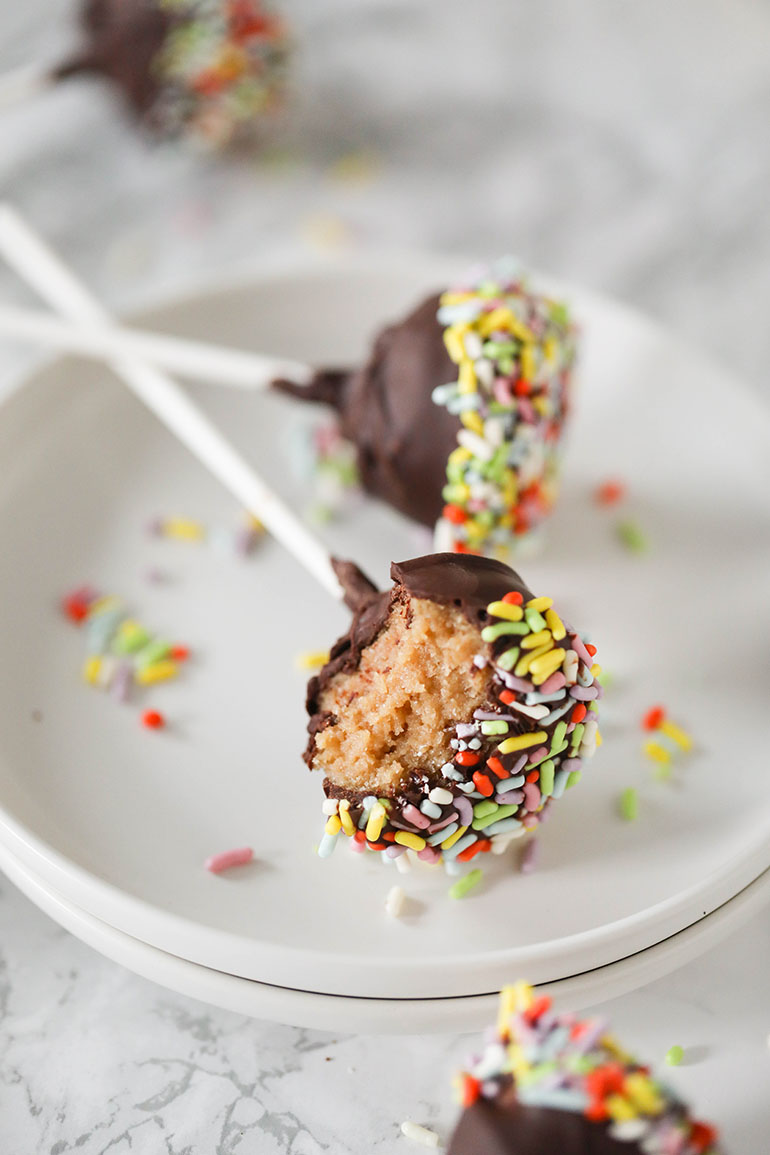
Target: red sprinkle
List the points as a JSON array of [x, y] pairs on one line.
[[496, 765], [591, 649], [483, 784], [514, 598], [467, 758], [455, 514], [538, 1008], [389, 836], [470, 1090], [522, 387], [653, 718], [702, 1136], [579, 713], [75, 609], [533, 776], [507, 697], [610, 492], [153, 720], [480, 844], [360, 836], [180, 653]]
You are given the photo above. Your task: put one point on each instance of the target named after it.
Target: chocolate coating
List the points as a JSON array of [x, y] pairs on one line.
[[505, 1127], [123, 39], [402, 438], [465, 580]]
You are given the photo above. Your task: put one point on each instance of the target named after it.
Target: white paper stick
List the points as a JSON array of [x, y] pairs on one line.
[[39, 266], [23, 83], [197, 360]]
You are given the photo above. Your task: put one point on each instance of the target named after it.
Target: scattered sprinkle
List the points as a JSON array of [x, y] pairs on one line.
[[311, 659], [528, 856], [629, 804], [610, 492], [217, 863], [632, 536], [463, 885], [422, 1135], [221, 539], [674, 1056], [670, 740], [153, 720], [394, 903]]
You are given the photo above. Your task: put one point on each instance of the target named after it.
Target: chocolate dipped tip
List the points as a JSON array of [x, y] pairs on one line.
[[357, 587], [468, 581], [328, 387]]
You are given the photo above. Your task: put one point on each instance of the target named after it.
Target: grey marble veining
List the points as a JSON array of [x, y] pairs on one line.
[[620, 145]]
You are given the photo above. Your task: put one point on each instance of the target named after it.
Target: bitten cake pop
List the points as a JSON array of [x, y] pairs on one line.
[[458, 412], [550, 1084], [208, 69], [452, 714]]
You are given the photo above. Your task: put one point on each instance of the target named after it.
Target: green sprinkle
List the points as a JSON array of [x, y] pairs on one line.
[[463, 885], [129, 639], [500, 813], [483, 808], [546, 777], [629, 804], [662, 772], [494, 727], [632, 537], [492, 633], [509, 659], [604, 679], [674, 1056], [574, 778], [577, 736], [535, 621], [559, 732], [154, 652]]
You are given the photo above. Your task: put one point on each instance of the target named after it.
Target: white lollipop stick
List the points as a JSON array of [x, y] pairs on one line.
[[45, 272], [23, 83], [197, 360]]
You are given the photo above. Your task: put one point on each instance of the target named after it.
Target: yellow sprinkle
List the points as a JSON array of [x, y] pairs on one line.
[[455, 298], [460, 455], [522, 666], [101, 605], [548, 661], [539, 604], [471, 420], [532, 641], [596, 669], [183, 529], [333, 824], [413, 841], [620, 1109], [375, 822], [643, 1093], [91, 670], [311, 659], [522, 741], [454, 336], [355, 168], [555, 625], [467, 377], [552, 662], [345, 819], [550, 349], [454, 838], [543, 406], [157, 672], [505, 610], [657, 752], [521, 331], [599, 738], [614, 1047], [676, 734], [528, 367], [513, 1000]]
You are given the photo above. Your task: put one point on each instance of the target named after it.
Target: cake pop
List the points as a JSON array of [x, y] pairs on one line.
[[451, 715], [545, 1083], [457, 413]]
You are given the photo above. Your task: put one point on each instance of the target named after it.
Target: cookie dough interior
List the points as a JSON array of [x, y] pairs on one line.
[[396, 712]]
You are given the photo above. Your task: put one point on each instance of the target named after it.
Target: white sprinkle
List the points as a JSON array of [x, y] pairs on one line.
[[419, 1134], [403, 864], [480, 661], [440, 795], [477, 445], [535, 712], [394, 903], [473, 345], [485, 371], [443, 536], [330, 806]]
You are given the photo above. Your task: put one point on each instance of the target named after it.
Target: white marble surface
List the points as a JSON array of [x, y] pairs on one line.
[[623, 146]]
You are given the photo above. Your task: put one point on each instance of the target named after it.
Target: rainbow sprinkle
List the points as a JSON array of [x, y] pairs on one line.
[[510, 762], [669, 741], [222, 68], [563, 1063], [515, 353]]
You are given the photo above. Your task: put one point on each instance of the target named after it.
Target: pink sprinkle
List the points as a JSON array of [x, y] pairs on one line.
[[229, 858], [503, 391], [428, 854], [536, 755], [531, 796], [580, 650], [554, 683], [411, 814], [528, 856], [355, 846]]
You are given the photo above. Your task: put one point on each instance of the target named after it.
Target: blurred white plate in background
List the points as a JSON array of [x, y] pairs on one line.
[[117, 820]]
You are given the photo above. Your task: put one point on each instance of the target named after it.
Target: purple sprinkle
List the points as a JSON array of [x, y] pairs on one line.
[[464, 809], [121, 682], [491, 716], [246, 540], [537, 755], [394, 851], [528, 856], [465, 730], [513, 796], [588, 1038], [571, 764], [514, 683], [434, 826], [155, 527], [519, 766], [584, 693]]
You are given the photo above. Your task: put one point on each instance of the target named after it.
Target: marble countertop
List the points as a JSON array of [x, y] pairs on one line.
[[621, 146]]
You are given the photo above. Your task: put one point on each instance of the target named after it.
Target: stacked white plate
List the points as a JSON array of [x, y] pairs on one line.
[[106, 825]]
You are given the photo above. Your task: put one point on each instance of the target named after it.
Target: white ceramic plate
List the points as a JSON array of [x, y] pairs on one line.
[[380, 1016], [119, 820]]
